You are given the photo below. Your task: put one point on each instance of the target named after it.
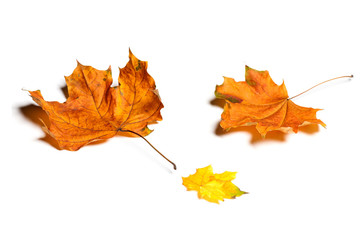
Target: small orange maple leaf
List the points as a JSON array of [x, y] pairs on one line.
[[95, 111], [212, 187], [260, 101]]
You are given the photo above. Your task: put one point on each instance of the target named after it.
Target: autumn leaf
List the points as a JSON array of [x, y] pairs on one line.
[[96, 111], [259, 101], [212, 187]]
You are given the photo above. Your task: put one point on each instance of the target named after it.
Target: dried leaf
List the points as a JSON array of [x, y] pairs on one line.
[[260, 101], [212, 187], [95, 111]]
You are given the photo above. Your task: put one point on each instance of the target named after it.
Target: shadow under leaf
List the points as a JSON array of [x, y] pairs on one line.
[[255, 135], [217, 102], [38, 116], [64, 90]]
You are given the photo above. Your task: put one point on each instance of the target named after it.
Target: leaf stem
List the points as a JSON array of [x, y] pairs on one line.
[[350, 76], [125, 130]]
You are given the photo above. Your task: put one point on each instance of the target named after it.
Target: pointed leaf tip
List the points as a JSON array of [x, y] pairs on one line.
[[130, 53]]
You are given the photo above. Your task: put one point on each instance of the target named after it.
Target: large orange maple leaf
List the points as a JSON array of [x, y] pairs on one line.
[[95, 111], [259, 101]]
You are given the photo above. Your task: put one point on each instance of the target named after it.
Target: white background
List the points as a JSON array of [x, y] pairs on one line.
[[302, 186]]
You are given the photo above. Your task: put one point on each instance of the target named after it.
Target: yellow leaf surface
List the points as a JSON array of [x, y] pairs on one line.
[[212, 187]]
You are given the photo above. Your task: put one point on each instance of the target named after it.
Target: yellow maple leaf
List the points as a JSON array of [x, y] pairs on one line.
[[212, 187]]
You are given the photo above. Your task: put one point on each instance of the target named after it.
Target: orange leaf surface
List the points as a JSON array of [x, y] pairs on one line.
[[260, 101], [95, 111], [212, 187]]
